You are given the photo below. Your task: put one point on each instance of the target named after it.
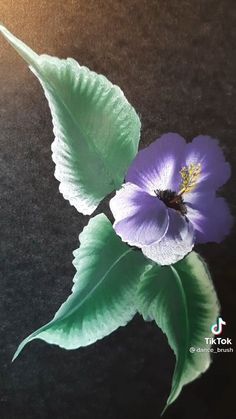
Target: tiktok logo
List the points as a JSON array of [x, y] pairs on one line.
[[217, 327]]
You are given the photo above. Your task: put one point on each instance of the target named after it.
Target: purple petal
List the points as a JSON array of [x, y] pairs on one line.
[[158, 165], [211, 219], [178, 241], [215, 171], [197, 199], [140, 218]]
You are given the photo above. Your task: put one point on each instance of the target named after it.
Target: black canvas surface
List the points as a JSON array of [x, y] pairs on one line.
[[175, 61]]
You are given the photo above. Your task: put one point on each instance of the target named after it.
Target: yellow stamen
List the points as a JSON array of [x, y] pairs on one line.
[[189, 175]]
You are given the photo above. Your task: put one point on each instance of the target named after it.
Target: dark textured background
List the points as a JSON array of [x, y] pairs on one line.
[[175, 61]]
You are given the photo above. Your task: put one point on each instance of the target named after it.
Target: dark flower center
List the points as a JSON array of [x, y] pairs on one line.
[[172, 200]]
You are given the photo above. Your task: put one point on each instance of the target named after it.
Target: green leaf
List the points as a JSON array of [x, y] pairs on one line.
[[96, 129], [182, 301], [103, 295]]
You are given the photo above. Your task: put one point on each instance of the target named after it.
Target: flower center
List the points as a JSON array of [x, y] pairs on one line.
[[189, 175], [172, 200]]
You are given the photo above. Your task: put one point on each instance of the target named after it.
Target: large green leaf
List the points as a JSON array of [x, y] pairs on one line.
[[103, 295], [182, 301], [96, 129]]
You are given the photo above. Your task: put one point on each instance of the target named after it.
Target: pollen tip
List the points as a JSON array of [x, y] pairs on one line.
[[190, 175]]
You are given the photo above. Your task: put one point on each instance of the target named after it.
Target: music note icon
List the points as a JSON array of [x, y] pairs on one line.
[[217, 327]]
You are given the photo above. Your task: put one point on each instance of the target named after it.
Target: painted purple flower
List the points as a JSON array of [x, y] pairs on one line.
[[169, 201]]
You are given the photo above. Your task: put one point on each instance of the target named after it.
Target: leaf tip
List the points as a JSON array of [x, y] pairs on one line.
[[23, 50], [164, 410], [3, 30], [21, 347], [15, 356]]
